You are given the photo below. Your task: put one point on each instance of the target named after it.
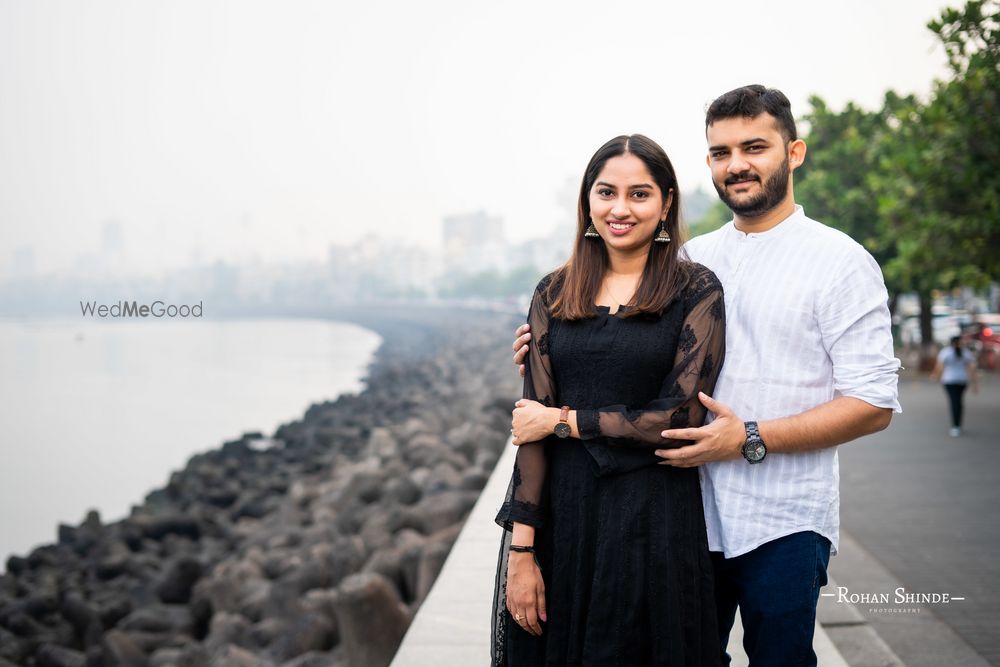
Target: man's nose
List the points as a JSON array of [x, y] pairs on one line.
[[737, 164]]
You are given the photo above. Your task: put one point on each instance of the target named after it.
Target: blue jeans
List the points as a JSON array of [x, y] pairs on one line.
[[776, 587]]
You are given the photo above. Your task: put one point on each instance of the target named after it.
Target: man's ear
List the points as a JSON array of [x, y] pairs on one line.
[[796, 154]]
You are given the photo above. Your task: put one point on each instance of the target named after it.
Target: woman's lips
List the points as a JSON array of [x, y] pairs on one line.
[[620, 228]]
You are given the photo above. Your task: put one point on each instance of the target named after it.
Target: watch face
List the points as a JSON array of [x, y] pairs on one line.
[[754, 450], [562, 430]]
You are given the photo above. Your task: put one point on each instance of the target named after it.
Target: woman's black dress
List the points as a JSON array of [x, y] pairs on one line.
[[620, 540]]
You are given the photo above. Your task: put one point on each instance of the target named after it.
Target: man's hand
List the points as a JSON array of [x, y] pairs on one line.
[[525, 592], [531, 421], [521, 337], [721, 440]]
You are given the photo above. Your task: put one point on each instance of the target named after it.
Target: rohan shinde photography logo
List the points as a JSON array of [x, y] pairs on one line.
[[135, 309], [899, 601]]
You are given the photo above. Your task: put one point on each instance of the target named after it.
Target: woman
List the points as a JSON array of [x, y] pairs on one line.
[[605, 557], [956, 369]]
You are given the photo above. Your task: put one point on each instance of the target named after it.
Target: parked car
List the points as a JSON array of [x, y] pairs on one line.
[[983, 337]]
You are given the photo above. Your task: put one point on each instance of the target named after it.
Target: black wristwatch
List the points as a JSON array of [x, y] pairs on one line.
[[562, 429], [754, 449]]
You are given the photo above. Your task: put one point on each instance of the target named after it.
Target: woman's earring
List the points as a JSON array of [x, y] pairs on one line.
[[663, 236], [591, 232]]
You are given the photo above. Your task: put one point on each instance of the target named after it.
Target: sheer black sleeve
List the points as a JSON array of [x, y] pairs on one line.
[[700, 353], [525, 502]]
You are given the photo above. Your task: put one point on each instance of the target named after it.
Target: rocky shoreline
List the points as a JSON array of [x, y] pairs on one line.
[[310, 548]]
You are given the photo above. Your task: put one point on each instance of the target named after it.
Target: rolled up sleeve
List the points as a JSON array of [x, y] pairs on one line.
[[855, 323]]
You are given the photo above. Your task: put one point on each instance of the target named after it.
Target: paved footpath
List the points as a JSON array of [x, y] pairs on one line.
[[921, 510]]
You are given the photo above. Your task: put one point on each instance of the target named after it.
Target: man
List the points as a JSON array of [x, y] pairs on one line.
[[809, 365]]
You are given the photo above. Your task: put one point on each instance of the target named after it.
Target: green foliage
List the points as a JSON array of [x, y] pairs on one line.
[[713, 218], [918, 183]]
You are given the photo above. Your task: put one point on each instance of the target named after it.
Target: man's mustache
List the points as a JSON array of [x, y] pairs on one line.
[[746, 176]]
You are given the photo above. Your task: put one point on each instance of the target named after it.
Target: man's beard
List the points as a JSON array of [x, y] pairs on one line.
[[773, 190]]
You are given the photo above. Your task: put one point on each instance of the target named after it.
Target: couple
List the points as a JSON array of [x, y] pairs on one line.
[[633, 531]]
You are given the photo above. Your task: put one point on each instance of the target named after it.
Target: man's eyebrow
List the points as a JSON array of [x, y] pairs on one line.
[[748, 142], [639, 185]]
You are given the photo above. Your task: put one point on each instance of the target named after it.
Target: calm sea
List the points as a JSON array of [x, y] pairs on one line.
[[96, 414]]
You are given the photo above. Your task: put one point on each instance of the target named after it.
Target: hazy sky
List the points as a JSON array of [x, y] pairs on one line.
[[214, 129]]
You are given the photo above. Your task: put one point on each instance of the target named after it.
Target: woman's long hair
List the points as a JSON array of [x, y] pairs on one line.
[[575, 285]]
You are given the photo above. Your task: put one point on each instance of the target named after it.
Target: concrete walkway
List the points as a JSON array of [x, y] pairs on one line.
[[452, 627]]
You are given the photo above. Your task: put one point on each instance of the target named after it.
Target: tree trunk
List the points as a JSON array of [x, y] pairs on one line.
[[927, 345]]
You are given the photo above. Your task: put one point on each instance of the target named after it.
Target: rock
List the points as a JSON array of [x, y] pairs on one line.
[[234, 656], [49, 655], [432, 559], [317, 659], [180, 577], [171, 619], [382, 443], [84, 618], [228, 628], [371, 618], [402, 490], [167, 657], [158, 527], [16, 565], [114, 610], [440, 511], [118, 650], [308, 632]]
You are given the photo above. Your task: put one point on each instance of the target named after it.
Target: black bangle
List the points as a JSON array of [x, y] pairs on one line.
[[522, 549]]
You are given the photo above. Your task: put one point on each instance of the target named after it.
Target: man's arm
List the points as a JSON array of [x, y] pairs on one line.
[[833, 423], [854, 322]]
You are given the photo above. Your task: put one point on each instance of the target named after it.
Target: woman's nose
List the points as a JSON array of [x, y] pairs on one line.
[[620, 209]]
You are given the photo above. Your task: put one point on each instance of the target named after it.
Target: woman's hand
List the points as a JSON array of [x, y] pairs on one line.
[[532, 421], [525, 592]]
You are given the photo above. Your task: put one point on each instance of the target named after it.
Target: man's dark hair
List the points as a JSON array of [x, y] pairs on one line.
[[750, 102]]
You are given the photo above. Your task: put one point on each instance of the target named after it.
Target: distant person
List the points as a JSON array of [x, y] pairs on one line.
[[604, 560], [809, 365], [956, 369]]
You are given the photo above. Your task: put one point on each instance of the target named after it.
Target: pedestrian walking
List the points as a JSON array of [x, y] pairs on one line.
[[956, 369]]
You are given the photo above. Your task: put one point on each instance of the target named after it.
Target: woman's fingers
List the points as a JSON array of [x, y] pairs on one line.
[[540, 593]]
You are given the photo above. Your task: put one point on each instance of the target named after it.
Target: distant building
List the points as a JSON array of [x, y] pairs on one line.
[[473, 243]]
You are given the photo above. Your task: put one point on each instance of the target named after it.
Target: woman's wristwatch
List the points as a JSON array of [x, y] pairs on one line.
[[562, 429]]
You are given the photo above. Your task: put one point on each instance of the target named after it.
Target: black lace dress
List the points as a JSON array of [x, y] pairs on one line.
[[620, 540]]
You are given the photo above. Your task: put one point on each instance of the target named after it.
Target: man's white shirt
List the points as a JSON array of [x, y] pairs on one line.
[[807, 320]]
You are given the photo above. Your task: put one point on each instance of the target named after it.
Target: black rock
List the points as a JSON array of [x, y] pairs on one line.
[[119, 650], [49, 655], [371, 618], [84, 618], [309, 632], [180, 577]]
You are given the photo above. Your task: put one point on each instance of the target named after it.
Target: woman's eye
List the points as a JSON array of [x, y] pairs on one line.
[[604, 192], [640, 194]]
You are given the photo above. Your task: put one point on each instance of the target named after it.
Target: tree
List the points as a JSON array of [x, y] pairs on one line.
[[919, 183]]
